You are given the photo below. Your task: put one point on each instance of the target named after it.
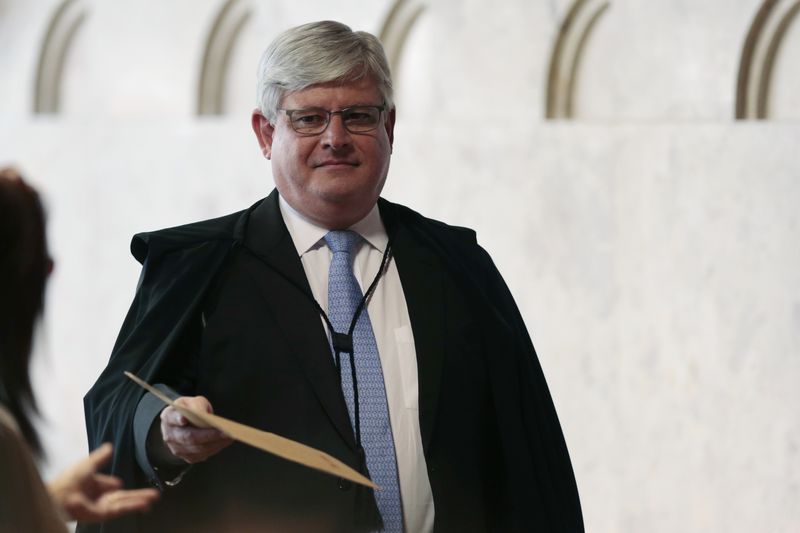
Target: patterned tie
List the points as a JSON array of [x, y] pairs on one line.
[[344, 295]]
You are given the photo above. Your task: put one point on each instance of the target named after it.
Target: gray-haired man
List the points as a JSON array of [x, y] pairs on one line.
[[328, 315]]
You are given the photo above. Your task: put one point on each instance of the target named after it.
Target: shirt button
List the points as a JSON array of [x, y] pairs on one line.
[[345, 484]]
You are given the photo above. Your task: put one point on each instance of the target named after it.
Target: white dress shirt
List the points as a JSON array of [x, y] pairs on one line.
[[392, 327]]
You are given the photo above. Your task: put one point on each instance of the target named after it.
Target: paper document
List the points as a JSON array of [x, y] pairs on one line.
[[269, 442]]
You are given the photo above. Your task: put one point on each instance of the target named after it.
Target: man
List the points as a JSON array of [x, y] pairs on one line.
[[428, 384]]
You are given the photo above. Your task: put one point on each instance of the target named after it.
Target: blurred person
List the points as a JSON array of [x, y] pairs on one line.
[[27, 505], [334, 317]]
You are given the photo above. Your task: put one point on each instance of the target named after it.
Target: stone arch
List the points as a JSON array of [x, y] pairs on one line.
[[565, 59], [757, 61], [64, 24], [396, 27], [221, 39]]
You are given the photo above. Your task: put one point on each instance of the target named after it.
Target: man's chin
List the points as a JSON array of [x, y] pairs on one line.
[[348, 206], [347, 203], [346, 192]]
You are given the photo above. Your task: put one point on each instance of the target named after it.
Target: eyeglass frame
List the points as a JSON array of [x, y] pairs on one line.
[[381, 108]]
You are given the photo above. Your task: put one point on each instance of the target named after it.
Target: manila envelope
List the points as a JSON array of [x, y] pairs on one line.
[[269, 442]]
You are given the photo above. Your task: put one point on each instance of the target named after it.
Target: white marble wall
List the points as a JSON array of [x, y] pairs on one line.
[[651, 245]]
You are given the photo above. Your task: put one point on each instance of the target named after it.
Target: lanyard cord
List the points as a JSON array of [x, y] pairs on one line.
[[342, 342]]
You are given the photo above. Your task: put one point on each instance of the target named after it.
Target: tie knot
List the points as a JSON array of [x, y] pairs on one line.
[[342, 241]]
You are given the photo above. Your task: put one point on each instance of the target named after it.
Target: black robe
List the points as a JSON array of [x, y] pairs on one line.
[[494, 449]]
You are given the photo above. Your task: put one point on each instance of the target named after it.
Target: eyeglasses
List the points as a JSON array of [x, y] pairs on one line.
[[315, 120]]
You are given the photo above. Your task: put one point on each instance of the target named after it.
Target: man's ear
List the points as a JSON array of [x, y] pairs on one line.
[[390, 126], [263, 130]]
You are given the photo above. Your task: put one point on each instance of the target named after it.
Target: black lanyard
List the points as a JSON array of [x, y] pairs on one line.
[[340, 342]]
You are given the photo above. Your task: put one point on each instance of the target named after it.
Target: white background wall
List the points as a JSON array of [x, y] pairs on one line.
[[651, 243]]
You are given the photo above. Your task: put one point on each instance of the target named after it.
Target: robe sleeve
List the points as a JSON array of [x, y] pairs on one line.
[[154, 343], [539, 477]]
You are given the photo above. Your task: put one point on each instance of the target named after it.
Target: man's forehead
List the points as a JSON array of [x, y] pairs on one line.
[[349, 92]]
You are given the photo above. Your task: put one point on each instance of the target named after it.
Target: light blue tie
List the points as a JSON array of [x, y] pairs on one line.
[[344, 295]]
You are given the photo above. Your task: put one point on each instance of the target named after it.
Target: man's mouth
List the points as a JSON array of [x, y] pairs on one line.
[[334, 163]]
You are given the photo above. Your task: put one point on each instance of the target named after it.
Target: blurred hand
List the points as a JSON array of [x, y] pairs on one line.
[[190, 443], [87, 496]]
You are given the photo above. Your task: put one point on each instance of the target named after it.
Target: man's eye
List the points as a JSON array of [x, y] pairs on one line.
[[309, 119], [360, 116]]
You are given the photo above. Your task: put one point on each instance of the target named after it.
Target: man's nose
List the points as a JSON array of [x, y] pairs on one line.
[[336, 135]]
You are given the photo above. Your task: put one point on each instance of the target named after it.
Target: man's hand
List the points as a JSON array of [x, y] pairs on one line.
[[190, 443], [87, 496]]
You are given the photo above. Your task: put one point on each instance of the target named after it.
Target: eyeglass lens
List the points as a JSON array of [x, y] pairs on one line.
[[355, 119]]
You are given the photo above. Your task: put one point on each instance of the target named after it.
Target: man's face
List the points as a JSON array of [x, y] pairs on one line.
[[333, 178]]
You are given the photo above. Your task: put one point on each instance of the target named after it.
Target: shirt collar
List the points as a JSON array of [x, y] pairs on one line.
[[308, 236]]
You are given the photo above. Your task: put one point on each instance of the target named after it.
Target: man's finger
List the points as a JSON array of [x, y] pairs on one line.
[[196, 403], [199, 457], [181, 444], [195, 436], [202, 450], [172, 416]]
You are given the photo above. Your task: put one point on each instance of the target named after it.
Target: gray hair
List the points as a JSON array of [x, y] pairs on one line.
[[319, 52]]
